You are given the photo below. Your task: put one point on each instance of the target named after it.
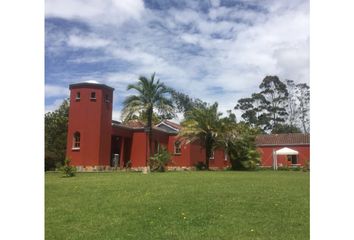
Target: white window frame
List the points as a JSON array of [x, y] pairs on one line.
[[175, 148]]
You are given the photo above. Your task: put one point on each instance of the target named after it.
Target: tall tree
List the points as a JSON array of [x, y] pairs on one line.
[[285, 128], [275, 94], [56, 126], [253, 111], [202, 124], [292, 106], [151, 95], [184, 103], [303, 96]]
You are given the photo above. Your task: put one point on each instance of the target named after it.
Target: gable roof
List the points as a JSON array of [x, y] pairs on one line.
[[169, 126], [283, 139], [172, 124]]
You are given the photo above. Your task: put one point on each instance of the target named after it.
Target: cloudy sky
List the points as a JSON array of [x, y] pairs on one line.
[[216, 50]]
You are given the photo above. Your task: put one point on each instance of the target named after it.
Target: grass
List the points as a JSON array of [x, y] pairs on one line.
[[178, 205]]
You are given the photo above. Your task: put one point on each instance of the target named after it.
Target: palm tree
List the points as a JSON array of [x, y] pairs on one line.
[[203, 124], [152, 95]]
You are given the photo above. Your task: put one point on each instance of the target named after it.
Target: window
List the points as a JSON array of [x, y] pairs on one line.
[[212, 155], [76, 140], [292, 158], [157, 146], [177, 147], [106, 98], [93, 96], [77, 97]]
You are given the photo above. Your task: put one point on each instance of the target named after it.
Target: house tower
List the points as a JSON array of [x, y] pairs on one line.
[[90, 125]]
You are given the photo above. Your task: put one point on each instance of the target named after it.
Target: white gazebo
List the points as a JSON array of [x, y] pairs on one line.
[[282, 151]]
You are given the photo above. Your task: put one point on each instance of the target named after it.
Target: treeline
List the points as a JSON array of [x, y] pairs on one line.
[[278, 107]]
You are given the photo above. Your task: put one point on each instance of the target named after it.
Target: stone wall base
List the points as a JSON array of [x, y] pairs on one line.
[[175, 168], [135, 169], [94, 168]]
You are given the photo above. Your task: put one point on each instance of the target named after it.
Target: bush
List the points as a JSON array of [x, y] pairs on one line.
[[200, 166], [69, 171], [52, 161], [159, 161], [306, 166], [296, 168]]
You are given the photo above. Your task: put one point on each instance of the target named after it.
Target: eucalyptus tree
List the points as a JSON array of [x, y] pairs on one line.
[[292, 106], [152, 95], [203, 124], [275, 95], [303, 96]]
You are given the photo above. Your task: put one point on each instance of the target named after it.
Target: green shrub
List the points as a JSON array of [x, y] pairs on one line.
[[296, 168], [67, 170], [284, 168], [200, 166], [159, 161], [306, 166]]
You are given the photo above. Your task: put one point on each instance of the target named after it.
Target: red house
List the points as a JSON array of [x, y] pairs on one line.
[[96, 142], [284, 150]]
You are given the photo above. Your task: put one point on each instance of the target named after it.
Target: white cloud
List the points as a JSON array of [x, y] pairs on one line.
[[56, 91], [90, 41], [233, 48], [116, 115], [96, 11], [54, 106]]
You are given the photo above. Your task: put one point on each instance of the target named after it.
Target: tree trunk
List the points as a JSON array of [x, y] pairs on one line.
[[207, 151], [149, 132]]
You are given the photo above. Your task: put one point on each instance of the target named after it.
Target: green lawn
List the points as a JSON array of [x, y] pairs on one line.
[[178, 205]]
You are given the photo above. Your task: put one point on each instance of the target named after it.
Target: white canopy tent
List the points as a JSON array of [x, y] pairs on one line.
[[282, 151], [286, 151]]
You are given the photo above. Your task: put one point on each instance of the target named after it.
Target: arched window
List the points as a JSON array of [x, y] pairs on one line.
[[76, 140], [177, 147]]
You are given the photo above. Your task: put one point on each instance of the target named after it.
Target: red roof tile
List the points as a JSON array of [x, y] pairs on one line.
[[283, 139]]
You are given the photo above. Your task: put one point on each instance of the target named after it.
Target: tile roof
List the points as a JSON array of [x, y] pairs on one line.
[[283, 139]]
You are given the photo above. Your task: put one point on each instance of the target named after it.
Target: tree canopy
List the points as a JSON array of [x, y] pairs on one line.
[[56, 126], [277, 107], [202, 124]]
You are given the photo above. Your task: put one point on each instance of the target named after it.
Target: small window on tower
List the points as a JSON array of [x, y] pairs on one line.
[[93, 96], [77, 97], [106, 98], [76, 141]]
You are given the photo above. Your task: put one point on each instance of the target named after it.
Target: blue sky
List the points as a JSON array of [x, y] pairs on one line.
[[214, 50]]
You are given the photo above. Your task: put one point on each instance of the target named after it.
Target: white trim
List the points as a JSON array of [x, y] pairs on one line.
[[168, 126]]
